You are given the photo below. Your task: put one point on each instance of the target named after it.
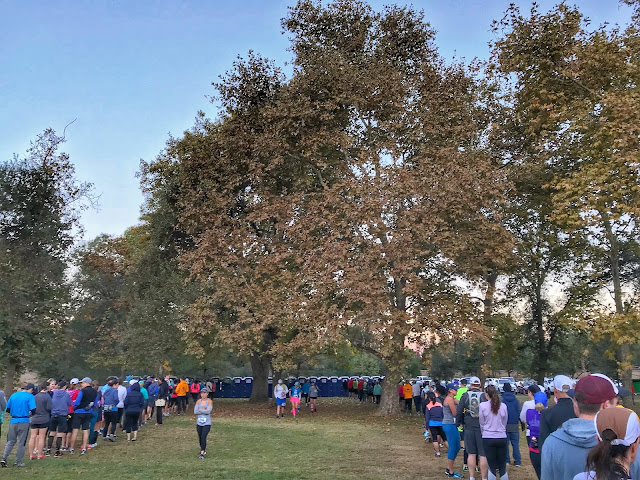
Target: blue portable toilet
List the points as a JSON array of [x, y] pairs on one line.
[[237, 387], [270, 387], [216, 384], [335, 386], [227, 387], [247, 386], [324, 385], [343, 392]]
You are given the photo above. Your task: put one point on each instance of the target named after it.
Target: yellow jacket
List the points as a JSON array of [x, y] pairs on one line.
[[182, 389]]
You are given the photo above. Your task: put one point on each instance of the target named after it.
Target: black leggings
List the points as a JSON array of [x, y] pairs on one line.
[[110, 418], [182, 404], [159, 415], [203, 431], [131, 421], [495, 449]]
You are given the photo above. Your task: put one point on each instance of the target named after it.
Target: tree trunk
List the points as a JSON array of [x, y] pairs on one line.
[[260, 368], [389, 404], [540, 364], [492, 278], [623, 353], [10, 376]]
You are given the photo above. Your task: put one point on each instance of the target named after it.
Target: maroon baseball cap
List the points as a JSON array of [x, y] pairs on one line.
[[595, 389]]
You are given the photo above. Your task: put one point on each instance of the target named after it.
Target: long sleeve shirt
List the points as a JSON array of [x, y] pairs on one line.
[[493, 425]]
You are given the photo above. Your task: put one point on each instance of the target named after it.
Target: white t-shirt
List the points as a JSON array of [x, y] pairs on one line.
[[280, 391], [122, 394], [415, 388]]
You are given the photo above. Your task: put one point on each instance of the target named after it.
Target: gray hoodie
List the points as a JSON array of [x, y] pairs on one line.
[[564, 454]]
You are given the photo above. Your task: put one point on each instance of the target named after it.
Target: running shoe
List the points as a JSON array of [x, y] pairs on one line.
[[83, 451], [47, 452], [465, 468], [3, 463], [438, 454], [71, 451], [19, 465], [57, 455], [453, 475], [201, 457]]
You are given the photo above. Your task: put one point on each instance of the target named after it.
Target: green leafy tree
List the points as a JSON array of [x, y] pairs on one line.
[[40, 200]]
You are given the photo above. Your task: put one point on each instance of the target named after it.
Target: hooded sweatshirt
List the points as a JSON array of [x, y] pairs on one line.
[[513, 411], [564, 454], [60, 403], [43, 409], [134, 402]]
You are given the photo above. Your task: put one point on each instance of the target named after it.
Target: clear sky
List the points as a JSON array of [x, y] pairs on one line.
[[132, 72]]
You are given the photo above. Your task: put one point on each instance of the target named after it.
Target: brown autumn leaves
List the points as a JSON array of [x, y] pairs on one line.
[[360, 196]]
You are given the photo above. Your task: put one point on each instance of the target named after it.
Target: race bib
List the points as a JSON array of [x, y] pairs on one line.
[[202, 420]]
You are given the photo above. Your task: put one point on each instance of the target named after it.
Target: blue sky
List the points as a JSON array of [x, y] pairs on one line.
[[133, 72]]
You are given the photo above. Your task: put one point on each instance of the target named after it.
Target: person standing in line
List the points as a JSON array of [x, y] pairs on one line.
[[416, 392], [163, 398], [450, 431], [618, 431], [152, 390], [565, 451], [513, 424], [493, 425], [468, 414], [143, 415], [122, 395], [526, 406], [294, 397], [553, 417], [73, 391], [181, 393], [60, 403], [314, 393], [110, 409], [194, 389], [377, 392], [280, 394], [3, 407], [461, 390], [133, 405], [20, 405], [360, 387], [96, 416], [433, 416], [203, 408], [83, 411], [407, 392], [533, 429], [40, 423]]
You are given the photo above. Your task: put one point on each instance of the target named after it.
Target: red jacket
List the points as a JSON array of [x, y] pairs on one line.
[[360, 384], [350, 384]]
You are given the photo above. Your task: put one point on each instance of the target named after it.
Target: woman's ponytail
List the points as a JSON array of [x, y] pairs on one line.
[[602, 458]]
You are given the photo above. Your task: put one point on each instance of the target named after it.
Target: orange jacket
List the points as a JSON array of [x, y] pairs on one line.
[[182, 389], [407, 389]]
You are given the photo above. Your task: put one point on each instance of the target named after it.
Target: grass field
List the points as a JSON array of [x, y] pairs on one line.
[[344, 440]]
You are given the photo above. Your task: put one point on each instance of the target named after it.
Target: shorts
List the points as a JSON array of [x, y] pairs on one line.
[[295, 399], [437, 430], [58, 423], [35, 426], [473, 441], [281, 402], [81, 420]]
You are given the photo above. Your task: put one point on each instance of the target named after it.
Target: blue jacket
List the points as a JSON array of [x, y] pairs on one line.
[[60, 402], [513, 411], [433, 413], [152, 389], [110, 396]]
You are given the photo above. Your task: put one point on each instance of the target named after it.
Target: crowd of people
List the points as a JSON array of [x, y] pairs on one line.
[[58, 412], [363, 389], [583, 433]]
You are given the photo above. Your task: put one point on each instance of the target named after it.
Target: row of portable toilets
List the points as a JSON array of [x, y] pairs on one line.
[[241, 387]]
